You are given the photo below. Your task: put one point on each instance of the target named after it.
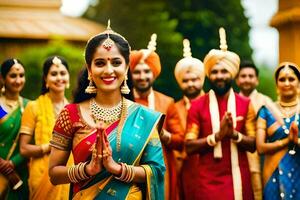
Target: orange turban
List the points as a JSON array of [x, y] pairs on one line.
[[228, 59], [148, 57]]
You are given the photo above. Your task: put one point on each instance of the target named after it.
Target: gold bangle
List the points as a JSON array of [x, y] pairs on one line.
[[45, 148], [211, 140], [239, 137], [169, 136]]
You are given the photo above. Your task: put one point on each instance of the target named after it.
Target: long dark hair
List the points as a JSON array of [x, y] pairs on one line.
[[7, 64], [46, 67], [79, 94]]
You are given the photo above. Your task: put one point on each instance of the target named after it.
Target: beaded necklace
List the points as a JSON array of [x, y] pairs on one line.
[[109, 115], [287, 116]]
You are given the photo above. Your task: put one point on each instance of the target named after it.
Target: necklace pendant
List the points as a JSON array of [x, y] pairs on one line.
[[287, 120], [286, 131], [292, 152]]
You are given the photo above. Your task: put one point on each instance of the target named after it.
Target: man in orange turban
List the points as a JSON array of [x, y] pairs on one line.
[[221, 129], [145, 67]]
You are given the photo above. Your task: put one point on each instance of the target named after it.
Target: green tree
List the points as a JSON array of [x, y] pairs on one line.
[[33, 59], [200, 20]]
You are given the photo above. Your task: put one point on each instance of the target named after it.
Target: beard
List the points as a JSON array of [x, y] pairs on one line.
[[191, 92], [143, 88], [220, 91]]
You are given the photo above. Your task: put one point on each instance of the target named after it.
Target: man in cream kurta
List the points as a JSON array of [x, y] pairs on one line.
[[247, 81]]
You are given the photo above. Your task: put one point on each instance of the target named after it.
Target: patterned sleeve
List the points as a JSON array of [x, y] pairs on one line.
[[193, 125], [250, 121], [62, 132], [28, 122]]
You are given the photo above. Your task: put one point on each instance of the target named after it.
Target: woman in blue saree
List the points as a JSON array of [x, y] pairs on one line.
[[114, 141], [277, 137], [11, 108]]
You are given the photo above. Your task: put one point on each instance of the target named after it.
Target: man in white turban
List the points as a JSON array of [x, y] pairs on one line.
[[221, 129], [189, 73]]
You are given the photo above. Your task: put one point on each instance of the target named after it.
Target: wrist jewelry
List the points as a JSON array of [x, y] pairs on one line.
[[239, 137], [77, 173], [211, 140], [127, 174], [45, 148]]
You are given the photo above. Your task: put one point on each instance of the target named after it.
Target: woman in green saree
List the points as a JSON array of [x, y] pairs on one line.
[[114, 141], [11, 108]]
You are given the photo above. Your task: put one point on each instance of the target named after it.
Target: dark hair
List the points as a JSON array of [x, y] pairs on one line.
[[296, 71], [7, 64], [249, 64], [46, 67], [79, 95], [96, 41]]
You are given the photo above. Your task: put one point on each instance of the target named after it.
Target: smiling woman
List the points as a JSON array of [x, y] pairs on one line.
[[114, 141], [13, 166], [277, 136], [37, 125]]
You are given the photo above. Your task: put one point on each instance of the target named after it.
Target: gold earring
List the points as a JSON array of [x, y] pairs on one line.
[[91, 89], [125, 89], [68, 85], [3, 89]]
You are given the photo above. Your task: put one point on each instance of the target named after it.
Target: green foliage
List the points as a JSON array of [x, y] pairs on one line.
[[34, 57], [197, 20], [267, 82], [200, 20]]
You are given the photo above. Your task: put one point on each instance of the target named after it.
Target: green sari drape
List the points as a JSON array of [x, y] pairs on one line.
[[9, 129]]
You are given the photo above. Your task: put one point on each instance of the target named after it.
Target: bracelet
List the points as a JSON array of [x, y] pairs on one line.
[[169, 136], [76, 173], [239, 137], [45, 148], [127, 174], [211, 140]]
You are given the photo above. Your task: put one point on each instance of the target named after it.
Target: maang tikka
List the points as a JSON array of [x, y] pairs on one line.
[[108, 43], [91, 89]]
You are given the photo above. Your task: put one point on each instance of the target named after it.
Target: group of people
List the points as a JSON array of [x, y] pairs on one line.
[[121, 139]]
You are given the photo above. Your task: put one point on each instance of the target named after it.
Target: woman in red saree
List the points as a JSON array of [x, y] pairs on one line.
[[114, 141]]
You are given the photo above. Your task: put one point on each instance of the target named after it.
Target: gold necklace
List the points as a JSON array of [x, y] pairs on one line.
[[288, 104], [12, 104], [288, 113], [107, 115], [122, 116], [57, 107]]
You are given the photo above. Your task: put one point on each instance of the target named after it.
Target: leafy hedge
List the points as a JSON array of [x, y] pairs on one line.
[[34, 57]]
